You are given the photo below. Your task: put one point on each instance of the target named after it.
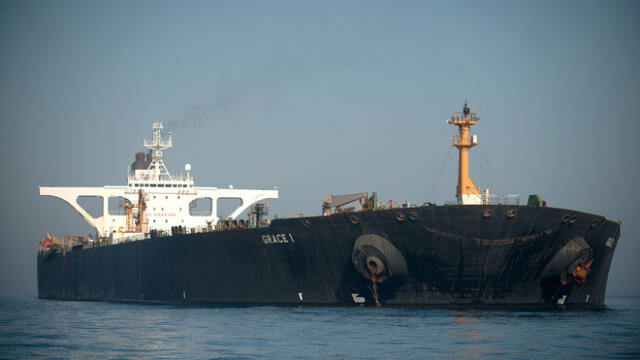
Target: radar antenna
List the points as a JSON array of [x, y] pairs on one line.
[[156, 145]]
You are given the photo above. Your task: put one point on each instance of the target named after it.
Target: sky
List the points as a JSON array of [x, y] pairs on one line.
[[319, 98]]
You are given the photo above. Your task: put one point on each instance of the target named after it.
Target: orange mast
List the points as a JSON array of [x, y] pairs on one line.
[[466, 192]]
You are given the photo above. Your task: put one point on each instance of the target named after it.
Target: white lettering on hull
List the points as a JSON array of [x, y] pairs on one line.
[[610, 242], [269, 239], [562, 299], [357, 299]]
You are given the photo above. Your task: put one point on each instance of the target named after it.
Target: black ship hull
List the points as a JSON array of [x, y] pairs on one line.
[[493, 255]]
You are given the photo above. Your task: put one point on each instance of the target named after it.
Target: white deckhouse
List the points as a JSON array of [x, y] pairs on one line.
[[153, 199]]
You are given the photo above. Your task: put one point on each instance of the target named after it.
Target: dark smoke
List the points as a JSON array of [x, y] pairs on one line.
[[218, 109]]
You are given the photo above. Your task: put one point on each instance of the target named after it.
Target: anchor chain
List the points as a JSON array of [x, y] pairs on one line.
[[374, 290]]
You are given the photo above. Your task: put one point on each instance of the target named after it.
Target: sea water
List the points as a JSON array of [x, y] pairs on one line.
[[45, 329]]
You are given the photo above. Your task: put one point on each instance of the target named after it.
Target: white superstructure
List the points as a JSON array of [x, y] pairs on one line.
[[153, 199]]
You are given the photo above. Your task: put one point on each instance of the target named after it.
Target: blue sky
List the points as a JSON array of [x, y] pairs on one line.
[[320, 98]]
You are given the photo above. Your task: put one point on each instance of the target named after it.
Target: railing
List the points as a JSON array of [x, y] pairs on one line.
[[163, 180], [509, 199]]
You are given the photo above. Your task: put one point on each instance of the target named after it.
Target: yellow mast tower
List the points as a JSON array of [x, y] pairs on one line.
[[467, 192]]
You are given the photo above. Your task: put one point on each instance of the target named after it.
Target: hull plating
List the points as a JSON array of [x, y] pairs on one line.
[[427, 256]]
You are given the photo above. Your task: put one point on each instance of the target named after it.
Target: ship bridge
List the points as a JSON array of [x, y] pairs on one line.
[[153, 199]]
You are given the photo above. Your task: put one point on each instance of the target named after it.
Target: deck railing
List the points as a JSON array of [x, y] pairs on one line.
[[508, 199]]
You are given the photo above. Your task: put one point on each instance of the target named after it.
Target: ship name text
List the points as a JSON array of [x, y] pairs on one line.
[[269, 239]]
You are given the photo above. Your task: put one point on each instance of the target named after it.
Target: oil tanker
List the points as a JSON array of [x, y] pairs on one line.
[[160, 239]]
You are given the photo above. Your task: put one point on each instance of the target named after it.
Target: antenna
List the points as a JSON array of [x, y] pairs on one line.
[[475, 85], [156, 145]]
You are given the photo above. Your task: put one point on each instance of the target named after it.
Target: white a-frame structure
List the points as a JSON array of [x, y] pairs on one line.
[[153, 198]]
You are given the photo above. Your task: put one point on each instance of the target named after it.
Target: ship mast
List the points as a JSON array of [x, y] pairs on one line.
[[156, 145], [467, 192]]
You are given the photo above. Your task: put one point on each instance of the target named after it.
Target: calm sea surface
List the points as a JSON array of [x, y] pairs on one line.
[[38, 329]]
